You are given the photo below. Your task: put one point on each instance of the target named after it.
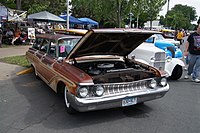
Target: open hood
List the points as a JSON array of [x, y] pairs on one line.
[[119, 42]]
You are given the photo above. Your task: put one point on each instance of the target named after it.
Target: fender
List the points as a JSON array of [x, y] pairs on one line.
[[143, 61], [169, 66]]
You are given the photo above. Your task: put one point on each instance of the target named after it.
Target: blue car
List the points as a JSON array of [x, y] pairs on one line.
[[169, 48]]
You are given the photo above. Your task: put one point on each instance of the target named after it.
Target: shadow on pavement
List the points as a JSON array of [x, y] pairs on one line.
[[46, 108]]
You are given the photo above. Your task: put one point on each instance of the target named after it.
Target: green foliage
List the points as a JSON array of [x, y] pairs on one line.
[[153, 7], [37, 8], [34, 6], [113, 13], [103, 11], [9, 3], [162, 20], [180, 16]]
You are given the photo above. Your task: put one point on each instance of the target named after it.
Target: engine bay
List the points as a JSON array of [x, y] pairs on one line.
[[115, 71]]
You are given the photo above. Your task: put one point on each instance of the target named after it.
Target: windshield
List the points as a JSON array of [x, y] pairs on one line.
[[155, 37], [66, 45], [159, 37]]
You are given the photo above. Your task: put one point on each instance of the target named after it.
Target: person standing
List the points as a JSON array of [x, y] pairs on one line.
[[180, 36], [16, 35], [192, 50], [175, 34], [1, 36]]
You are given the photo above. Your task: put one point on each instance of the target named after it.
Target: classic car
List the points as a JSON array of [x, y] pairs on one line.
[[161, 38], [168, 33], [150, 54], [93, 71]]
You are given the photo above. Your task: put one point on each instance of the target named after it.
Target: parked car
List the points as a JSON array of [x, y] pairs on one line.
[[170, 47], [150, 54], [168, 33], [161, 38], [93, 71]]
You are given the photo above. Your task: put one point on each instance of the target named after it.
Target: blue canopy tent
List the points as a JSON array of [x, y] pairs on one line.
[[72, 20], [88, 21]]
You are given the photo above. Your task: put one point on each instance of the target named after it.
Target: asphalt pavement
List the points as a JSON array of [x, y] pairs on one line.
[[28, 105]]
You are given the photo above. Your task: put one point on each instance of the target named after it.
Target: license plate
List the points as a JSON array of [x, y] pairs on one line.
[[129, 101]]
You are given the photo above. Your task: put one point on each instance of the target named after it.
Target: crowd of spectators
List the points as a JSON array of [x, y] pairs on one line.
[[14, 36]]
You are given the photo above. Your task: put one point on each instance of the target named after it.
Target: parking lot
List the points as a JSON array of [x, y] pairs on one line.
[[29, 105]]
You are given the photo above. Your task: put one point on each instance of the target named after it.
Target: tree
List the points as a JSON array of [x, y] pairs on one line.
[[33, 6], [153, 7], [104, 11], [162, 20], [180, 16], [109, 13], [9, 3], [198, 22], [137, 7]]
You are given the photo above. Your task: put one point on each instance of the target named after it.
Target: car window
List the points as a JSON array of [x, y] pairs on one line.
[[150, 40], [66, 45], [52, 48], [45, 45], [159, 37], [37, 43]]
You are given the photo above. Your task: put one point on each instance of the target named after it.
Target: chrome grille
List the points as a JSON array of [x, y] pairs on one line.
[[160, 56], [135, 86], [159, 60]]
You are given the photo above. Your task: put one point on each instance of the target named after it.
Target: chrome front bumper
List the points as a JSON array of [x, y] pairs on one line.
[[113, 101]]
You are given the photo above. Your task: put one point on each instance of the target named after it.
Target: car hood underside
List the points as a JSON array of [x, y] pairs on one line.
[[119, 42]]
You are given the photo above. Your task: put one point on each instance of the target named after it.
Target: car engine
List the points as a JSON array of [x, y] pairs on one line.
[[116, 71]]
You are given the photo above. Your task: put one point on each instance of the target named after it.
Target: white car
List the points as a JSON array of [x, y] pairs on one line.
[[161, 38], [150, 54]]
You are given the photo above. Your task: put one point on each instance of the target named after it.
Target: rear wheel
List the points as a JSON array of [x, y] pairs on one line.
[[177, 72], [70, 109]]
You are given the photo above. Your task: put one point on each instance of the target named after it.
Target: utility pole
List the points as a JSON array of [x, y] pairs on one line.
[[67, 14], [168, 5], [18, 4]]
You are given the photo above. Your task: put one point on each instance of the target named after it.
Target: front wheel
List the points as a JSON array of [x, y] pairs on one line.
[[177, 72], [69, 108]]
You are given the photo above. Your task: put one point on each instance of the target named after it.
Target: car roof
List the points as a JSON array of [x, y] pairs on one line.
[[55, 36]]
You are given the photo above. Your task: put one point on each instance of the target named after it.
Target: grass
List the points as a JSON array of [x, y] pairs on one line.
[[6, 46], [17, 60]]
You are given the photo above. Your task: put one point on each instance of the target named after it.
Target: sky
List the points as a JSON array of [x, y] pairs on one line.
[[172, 3]]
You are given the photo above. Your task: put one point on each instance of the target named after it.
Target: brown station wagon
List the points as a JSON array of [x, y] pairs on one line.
[[93, 71]]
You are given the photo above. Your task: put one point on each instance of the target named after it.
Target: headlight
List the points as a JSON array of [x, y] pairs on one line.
[[152, 59], [163, 82], [83, 91], [153, 84], [99, 90], [169, 58]]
